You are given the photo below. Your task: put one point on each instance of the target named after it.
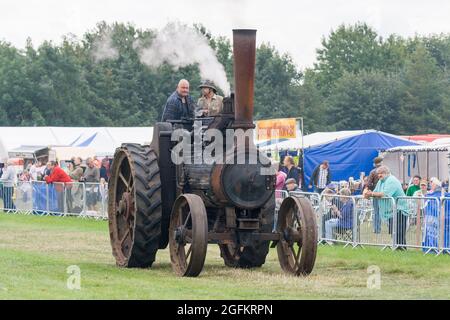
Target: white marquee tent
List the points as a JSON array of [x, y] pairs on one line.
[[313, 139], [430, 160], [103, 139]]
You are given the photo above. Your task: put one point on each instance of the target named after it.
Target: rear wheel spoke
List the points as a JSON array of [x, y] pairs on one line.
[[127, 232], [189, 252]]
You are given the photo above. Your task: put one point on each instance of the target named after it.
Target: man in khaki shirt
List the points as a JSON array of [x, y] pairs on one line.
[[210, 103]]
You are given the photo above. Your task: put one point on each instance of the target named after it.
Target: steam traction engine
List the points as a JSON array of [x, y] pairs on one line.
[[155, 202]]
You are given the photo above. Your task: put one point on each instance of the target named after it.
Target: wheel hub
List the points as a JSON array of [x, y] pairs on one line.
[[179, 235], [125, 206]]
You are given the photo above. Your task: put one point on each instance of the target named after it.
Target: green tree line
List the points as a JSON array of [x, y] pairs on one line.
[[359, 81]]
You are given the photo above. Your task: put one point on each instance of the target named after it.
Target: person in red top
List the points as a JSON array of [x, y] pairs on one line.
[[59, 177], [56, 173]]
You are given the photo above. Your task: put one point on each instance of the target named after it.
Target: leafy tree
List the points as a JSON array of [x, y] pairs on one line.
[[423, 109], [347, 49], [368, 99]]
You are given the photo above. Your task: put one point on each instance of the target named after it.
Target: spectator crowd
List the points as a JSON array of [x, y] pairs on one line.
[[94, 173], [380, 184]]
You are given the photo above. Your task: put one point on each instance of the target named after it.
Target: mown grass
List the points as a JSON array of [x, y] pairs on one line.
[[36, 251]]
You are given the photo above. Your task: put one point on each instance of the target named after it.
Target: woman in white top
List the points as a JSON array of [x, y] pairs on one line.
[[9, 179]]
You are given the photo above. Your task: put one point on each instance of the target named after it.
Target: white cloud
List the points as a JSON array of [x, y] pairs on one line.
[[292, 26]]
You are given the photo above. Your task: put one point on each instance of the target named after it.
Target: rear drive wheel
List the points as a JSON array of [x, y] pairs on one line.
[[134, 206]]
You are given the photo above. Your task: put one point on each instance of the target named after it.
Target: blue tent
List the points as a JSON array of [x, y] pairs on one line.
[[351, 155]]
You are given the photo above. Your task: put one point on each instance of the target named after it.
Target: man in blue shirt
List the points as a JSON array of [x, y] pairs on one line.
[[179, 105], [390, 186]]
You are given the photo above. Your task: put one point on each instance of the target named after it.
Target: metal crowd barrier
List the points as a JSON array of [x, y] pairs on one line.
[[421, 223], [374, 221], [315, 202], [280, 195], [58, 199], [445, 226], [337, 219]]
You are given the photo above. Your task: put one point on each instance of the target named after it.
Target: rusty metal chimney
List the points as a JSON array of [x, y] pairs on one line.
[[244, 50]]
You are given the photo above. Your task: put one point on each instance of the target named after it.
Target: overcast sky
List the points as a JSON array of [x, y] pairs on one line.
[[294, 26]]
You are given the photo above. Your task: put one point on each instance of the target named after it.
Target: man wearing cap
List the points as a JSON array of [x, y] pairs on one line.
[[373, 176], [210, 103]]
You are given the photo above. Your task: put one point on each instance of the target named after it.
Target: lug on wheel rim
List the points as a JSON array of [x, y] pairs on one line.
[[298, 244]]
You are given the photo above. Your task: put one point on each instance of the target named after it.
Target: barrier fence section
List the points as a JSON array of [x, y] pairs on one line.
[[315, 202], [374, 221], [280, 195], [58, 199], [418, 223], [337, 219], [444, 234], [422, 223]]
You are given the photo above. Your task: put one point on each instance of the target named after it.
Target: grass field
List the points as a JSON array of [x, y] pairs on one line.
[[36, 251]]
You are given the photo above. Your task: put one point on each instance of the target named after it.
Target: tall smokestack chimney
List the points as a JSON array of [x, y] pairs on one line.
[[244, 50]]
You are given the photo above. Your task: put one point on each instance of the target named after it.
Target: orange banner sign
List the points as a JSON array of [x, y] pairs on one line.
[[276, 129]]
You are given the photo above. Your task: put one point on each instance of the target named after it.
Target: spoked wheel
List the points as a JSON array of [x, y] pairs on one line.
[[134, 206], [188, 235], [297, 247]]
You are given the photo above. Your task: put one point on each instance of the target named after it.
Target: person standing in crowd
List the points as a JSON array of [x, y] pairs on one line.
[[37, 171], [58, 177], [180, 104], [210, 103], [104, 169], [432, 211], [76, 172], [321, 177], [75, 192], [370, 186], [97, 162], [390, 186], [423, 189], [25, 185], [92, 177], [415, 186], [373, 176], [436, 189], [292, 172], [8, 178], [56, 174], [281, 179]]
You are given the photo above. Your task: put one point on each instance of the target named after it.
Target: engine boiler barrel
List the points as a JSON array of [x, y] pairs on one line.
[[244, 51], [241, 185]]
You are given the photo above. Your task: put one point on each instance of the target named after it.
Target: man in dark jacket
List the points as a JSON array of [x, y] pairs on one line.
[[180, 104], [321, 177]]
